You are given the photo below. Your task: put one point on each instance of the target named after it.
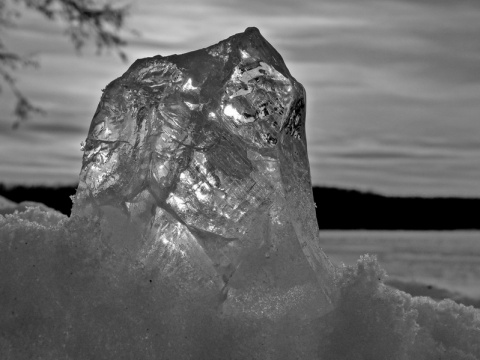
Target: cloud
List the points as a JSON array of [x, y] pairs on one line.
[[468, 4], [56, 128], [396, 74]]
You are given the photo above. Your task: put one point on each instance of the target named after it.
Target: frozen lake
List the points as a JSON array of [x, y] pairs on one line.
[[444, 259]]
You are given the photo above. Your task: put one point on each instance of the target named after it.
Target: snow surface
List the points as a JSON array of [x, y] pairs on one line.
[[448, 260], [68, 293]]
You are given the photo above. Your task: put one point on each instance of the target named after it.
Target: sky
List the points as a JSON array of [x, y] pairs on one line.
[[393, 86]]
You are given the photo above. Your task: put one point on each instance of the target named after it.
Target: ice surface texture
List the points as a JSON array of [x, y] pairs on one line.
[[199, 163], [193, 234], [203, 157]]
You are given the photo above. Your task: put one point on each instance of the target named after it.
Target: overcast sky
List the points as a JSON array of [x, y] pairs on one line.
[[393, 86]]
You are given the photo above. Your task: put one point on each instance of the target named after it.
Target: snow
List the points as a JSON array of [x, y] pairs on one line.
[[70, 293]]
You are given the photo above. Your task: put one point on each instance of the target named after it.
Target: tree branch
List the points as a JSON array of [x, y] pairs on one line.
[[85, 20]]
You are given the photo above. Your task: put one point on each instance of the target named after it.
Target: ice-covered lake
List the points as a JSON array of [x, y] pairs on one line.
[[444, 259]]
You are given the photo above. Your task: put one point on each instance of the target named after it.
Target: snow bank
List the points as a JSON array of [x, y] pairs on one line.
[[68, 293], [373, 321]]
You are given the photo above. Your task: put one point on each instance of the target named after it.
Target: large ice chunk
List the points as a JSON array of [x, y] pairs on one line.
[[197, 164]]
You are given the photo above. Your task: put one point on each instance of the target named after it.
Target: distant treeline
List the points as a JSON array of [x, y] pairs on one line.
[[55, 197], [352, 209], [336, 208]]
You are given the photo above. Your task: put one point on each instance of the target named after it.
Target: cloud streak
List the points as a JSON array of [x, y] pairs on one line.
[[401, 77]]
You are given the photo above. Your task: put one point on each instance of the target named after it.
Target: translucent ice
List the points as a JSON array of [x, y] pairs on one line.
[[193, 234], [204, 154], [198, 162]]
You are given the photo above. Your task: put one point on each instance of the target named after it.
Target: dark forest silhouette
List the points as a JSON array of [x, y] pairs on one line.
[[336, 208], [352, 209]]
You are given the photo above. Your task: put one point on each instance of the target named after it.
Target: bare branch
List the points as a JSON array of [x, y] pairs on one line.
[[23, 107], [85, 21]]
